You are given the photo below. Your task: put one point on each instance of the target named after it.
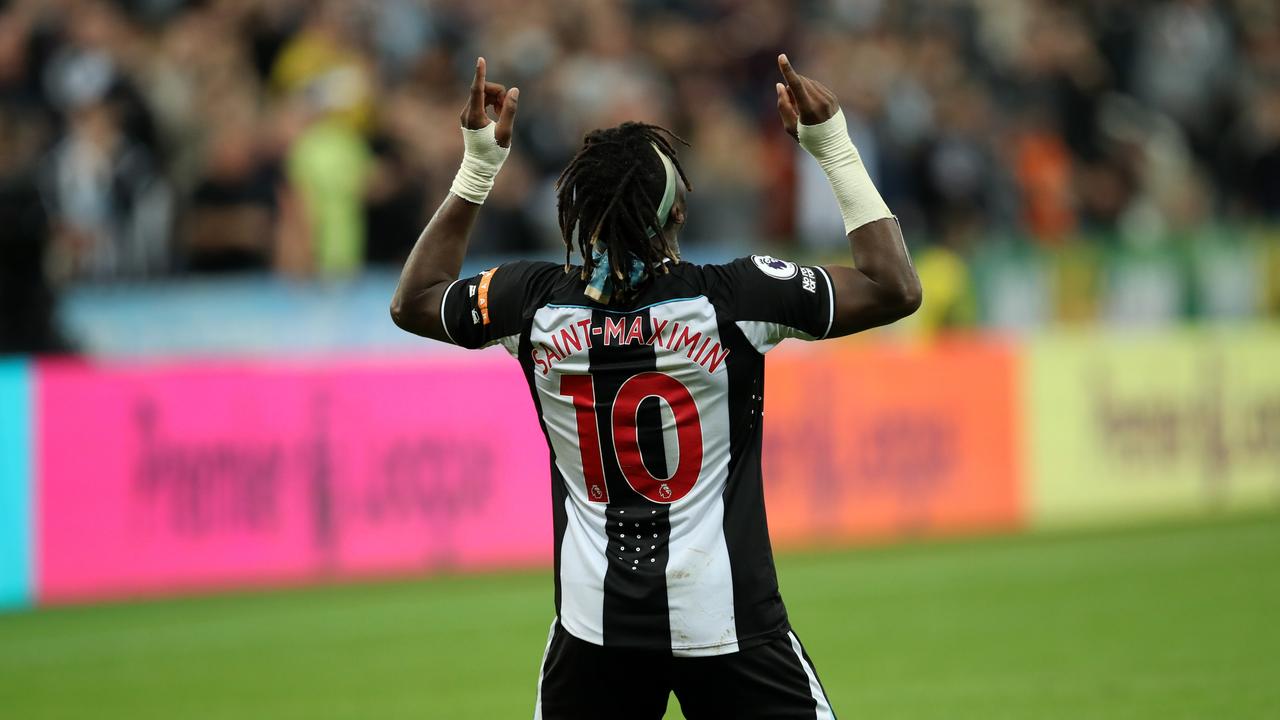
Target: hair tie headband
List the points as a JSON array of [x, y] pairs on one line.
[[668, 191]]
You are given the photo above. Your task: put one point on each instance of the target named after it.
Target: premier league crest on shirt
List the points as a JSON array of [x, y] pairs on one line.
[[664, 490], [775, 268]]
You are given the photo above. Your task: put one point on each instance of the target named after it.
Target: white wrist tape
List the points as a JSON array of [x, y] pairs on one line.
[[480, 164], [828, 142]]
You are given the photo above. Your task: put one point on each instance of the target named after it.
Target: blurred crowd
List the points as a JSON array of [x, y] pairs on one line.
[[146, 138]]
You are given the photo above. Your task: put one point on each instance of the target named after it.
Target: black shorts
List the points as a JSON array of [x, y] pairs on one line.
[[584, 681]]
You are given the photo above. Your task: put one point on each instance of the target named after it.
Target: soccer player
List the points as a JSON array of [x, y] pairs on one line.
[[647, 374]]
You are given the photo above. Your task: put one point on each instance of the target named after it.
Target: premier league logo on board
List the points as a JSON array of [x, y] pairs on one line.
[[775, 268]]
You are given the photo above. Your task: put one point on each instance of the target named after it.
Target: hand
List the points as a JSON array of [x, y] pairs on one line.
[[488, 94], [802, 100]]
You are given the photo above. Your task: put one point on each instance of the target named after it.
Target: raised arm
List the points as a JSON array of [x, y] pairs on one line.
[[436, 258], [882, 286]]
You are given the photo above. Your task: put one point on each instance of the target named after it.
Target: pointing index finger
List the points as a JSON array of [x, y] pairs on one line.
[[788, 73], [477, 87]]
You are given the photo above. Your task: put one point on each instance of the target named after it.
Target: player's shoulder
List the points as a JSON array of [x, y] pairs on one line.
[[759, 264], [529, 270], [519, 287], [749, 274]]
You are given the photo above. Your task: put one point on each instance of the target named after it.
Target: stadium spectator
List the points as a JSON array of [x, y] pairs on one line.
[[27, 300]]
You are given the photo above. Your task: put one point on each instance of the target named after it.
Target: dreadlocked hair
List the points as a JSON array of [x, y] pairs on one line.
[[610, 193]]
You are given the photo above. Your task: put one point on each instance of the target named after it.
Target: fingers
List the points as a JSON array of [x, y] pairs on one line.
[[796, 84], [812, 101], [507, 118], [490, 94]]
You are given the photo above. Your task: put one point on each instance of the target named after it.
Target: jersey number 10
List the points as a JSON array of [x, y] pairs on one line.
[[626, 436]]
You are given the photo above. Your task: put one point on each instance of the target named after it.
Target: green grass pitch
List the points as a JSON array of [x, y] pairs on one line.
[[1171, 621]]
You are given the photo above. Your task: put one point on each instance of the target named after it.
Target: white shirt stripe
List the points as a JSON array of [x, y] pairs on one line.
[[699, 575], [583, 562]]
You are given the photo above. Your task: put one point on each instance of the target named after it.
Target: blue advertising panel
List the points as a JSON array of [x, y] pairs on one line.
[[15, 484]]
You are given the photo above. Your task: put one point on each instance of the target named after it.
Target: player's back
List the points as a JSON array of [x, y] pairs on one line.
[[652, 411]]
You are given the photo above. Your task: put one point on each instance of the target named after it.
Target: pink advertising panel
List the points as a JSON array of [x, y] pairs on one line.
[[161, 478]]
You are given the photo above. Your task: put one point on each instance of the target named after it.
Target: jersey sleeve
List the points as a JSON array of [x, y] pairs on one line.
[[492, 307], [771, 299]]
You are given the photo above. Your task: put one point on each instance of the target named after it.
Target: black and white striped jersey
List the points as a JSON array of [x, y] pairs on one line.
[[652, 413]]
